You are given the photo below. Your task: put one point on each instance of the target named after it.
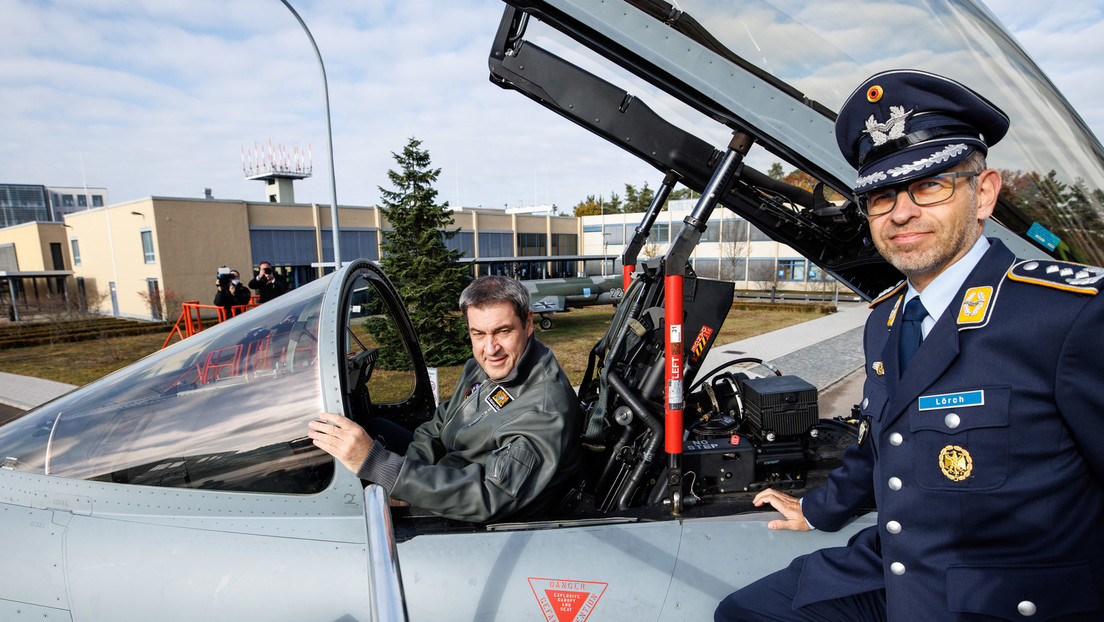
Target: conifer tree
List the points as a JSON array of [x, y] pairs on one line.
[[415, 257]]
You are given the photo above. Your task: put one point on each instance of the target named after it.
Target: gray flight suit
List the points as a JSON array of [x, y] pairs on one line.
[[494, 448]]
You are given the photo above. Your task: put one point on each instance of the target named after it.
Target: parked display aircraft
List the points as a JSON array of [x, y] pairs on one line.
[[553, 295], [184, 488]]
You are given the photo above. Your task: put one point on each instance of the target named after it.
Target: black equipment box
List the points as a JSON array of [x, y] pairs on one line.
[[725, 464], [779, 407]]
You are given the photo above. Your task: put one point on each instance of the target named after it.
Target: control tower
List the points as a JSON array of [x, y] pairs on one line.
[[278, 167]]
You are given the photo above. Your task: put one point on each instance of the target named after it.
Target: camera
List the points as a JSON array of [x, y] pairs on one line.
[[225, 278]]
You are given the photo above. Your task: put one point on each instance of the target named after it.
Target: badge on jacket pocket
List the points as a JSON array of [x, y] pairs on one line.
[[499, 398], [955, 462]]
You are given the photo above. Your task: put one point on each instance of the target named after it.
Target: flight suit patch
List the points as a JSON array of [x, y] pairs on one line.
[[499, 398], [472, 389], [955, 462]]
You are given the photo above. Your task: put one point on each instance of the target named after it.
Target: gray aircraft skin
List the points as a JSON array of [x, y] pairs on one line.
[[184, 487]]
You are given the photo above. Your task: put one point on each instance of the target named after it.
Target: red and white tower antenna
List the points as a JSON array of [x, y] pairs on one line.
[[278, 167]]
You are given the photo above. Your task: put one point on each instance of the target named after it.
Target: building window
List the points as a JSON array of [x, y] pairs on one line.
[[496, 244], [733, 269], [758, 236], [660, 233], [67, 200], [76, 251], [817, 274], [288, 247], [354, 244], [712, 232], [791, 269], [614, 234], [565, 244], [706, 268], [532, 244], [463, 241], [734, 231], [97, 200], [82, 200], [592, 228], [147, 246], [761, 271]]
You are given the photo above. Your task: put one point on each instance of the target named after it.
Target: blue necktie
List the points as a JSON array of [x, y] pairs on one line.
[[911, 335]]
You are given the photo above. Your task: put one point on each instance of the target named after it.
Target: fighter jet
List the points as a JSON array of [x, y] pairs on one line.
[[549, 296], [552, 295], [184, 488]]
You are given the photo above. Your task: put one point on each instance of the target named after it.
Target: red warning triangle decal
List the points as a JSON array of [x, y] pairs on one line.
[[566, 601], [566, 604]]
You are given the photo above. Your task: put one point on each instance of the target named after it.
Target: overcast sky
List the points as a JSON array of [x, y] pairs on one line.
[[148, 97]]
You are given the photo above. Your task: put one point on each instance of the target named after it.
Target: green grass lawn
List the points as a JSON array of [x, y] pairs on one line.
[[571, 338]]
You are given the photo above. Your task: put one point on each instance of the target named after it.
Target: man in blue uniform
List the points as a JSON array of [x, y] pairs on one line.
[[983, 406]]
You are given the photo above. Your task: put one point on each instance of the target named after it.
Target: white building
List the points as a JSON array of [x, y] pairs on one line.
[[730, 249]]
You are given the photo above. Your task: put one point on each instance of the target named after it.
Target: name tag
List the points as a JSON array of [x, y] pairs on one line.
[[952, 400]]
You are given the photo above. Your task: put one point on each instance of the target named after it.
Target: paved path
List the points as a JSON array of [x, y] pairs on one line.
[[822, 351], [26, 392]]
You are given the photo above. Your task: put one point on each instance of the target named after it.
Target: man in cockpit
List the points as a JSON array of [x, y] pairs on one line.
[[504, 445], [983, 407]]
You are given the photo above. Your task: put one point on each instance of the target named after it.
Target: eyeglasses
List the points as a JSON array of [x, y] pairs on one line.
[[926, 191]]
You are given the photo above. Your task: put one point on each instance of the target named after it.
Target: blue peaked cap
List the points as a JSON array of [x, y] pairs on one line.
[[902, 125]]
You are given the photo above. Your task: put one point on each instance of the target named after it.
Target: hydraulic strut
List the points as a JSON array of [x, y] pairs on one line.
[[674, 270], [640, 236]]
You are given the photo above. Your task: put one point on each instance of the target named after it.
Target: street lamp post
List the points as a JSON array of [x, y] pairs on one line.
[[605, 246], [329, 141]]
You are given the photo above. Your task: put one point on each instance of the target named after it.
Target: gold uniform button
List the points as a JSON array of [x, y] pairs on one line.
[[894, 483], [952, 420], [893, 527], [896, 439], [1026, 608], [898, 569]]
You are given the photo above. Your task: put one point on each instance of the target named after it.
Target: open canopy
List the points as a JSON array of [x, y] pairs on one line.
[[670, 83]]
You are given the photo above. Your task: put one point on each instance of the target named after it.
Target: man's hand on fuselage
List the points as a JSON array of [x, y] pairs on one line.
[[341, 438], [790, 507]]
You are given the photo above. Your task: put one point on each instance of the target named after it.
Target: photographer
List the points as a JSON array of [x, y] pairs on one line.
[[267, 283], [230, 291]]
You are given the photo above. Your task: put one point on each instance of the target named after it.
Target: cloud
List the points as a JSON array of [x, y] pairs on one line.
[[1064, 39], [158, 98]]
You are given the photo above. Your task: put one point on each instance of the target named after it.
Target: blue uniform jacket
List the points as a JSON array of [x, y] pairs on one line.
[[985, 460]]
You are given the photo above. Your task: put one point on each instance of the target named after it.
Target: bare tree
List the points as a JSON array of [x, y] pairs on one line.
[[734, 248], [764, 274], [168, 305]]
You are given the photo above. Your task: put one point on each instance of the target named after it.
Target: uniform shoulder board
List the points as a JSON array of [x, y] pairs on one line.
[[887, 293], [1072, 277]]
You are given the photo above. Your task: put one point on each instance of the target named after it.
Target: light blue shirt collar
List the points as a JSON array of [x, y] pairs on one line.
[[939, 294]]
